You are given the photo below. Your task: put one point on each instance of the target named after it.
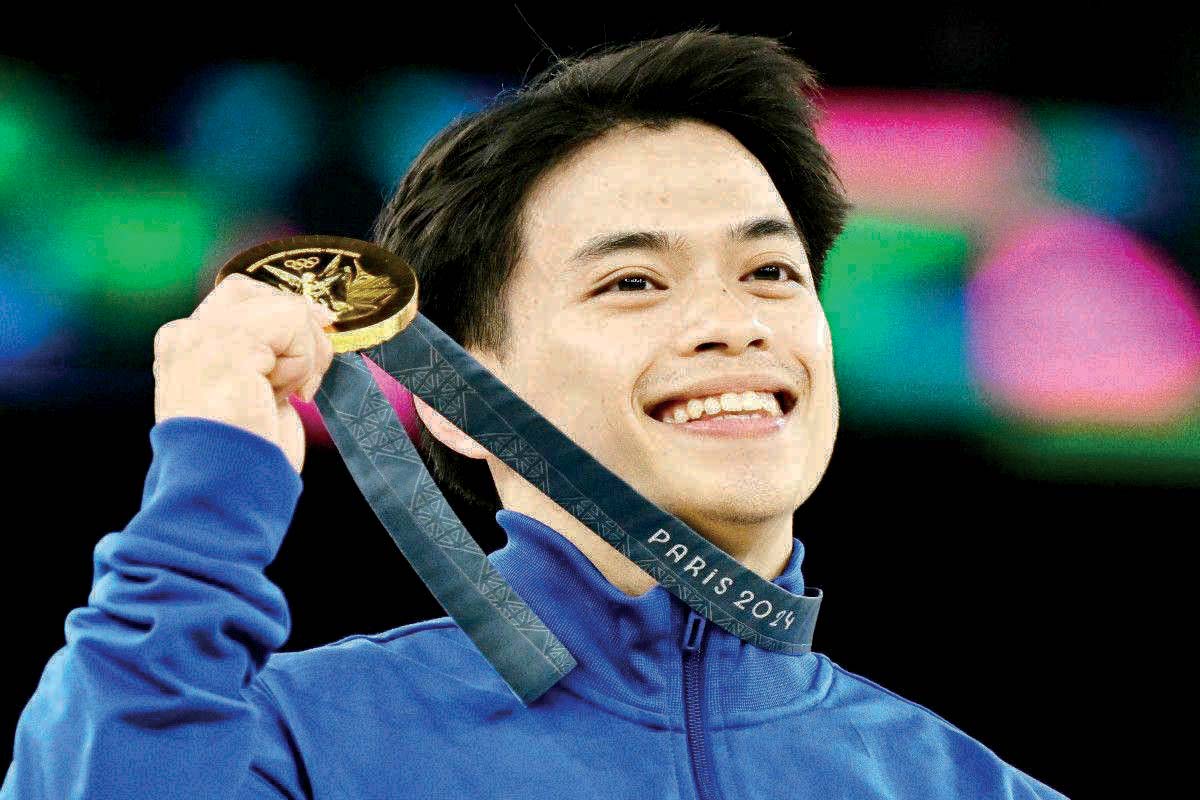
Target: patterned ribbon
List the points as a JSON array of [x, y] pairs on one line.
[[392, 477]]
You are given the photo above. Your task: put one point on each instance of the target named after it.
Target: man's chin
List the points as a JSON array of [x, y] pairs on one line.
[[724, 510]]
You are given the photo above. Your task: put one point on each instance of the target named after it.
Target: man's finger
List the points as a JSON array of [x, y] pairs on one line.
[[238, 287]]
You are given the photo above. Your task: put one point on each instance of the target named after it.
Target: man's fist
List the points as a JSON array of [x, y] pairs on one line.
[[238, 358]]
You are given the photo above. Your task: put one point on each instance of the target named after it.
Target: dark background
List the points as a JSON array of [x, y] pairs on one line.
[[1036, 616]]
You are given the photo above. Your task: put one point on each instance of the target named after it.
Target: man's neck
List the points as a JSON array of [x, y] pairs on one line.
[[765, 549]]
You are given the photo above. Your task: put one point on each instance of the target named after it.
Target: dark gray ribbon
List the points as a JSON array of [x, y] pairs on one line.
[[392, 477]]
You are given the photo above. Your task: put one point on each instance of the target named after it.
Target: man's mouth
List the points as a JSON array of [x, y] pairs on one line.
[[748, 405]]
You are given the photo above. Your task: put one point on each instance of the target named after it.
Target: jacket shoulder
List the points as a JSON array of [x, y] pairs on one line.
[[893, 728], [433, 657]]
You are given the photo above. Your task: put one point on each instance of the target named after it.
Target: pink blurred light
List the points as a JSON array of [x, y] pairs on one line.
[[963, 157], [315, 432], [1073, 319], [398, 397]]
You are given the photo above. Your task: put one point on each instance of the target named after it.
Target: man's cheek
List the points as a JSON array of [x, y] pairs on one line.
[[808, 330]]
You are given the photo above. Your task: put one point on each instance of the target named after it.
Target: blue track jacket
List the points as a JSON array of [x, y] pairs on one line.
[[170, 686]]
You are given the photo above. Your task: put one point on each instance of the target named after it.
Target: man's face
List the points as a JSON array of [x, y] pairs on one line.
[[592, 352]]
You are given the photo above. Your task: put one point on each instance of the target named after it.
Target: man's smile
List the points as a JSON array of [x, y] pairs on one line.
[[729, 414], [729, 406]]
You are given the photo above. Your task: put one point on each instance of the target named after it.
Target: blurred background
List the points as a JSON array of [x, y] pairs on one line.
[[1014, 305]]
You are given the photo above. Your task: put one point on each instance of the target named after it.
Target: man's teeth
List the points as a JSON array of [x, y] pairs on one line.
[[753, 404]]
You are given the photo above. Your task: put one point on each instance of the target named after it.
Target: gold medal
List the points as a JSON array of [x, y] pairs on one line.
[[372, 291]]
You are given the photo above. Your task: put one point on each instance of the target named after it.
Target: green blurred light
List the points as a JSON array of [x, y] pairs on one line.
[[892, 293], [16, 138], [38, 134], [1159, 455], [138, 233], [873, 248]]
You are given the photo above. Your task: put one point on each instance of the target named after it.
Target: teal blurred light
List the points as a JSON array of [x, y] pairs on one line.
[[30, 316], [249, 130], [405, 110], [1130, 166]]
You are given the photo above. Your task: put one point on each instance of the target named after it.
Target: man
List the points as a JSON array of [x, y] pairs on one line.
[[634, 246]]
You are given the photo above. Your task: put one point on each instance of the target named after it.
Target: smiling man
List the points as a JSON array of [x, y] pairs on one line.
[[666, 318], [634, 245]]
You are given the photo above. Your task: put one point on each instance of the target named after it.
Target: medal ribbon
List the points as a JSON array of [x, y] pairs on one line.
[[392, 477]]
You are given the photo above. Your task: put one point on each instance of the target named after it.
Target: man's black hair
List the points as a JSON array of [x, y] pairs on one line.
[[456, 215]]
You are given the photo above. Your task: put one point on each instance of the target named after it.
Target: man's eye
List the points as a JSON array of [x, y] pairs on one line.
[[781, 269], [626, 283]]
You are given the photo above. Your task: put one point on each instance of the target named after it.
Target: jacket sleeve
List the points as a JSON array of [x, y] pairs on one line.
[[151, 694]]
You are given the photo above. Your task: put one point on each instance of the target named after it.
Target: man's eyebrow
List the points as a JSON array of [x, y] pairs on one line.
[[608, 243]]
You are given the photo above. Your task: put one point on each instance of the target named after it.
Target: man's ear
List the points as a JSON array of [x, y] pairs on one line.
[[446, 432]]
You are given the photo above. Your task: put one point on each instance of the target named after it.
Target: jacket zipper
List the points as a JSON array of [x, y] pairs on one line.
[[701, 756]]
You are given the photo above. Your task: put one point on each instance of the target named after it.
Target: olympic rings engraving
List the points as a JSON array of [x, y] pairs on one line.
[[302, 263]]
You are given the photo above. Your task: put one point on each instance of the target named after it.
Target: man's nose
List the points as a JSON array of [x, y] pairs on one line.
[[721, 318]]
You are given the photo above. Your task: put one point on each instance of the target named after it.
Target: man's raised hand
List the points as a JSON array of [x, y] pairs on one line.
[[238, 358]]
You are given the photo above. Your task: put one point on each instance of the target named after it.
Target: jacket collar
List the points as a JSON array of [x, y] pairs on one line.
[[629, 649]]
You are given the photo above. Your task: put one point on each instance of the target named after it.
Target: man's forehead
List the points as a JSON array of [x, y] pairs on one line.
[[655, 190], [639, 167]]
